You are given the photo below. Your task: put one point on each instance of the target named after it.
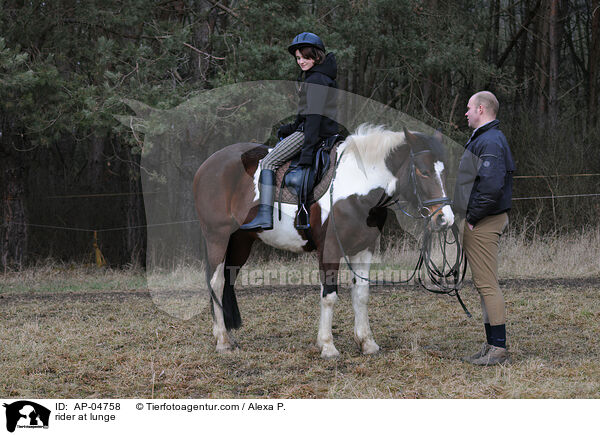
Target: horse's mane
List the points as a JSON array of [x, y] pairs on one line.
[[373, 143]]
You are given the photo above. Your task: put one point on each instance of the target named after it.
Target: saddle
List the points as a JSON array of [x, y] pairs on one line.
[[306, 186]]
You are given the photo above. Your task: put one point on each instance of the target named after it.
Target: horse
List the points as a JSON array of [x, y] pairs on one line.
[[375, 167]]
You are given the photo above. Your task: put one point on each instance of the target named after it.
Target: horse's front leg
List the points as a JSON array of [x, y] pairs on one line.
[[329, 276], [361, 263]]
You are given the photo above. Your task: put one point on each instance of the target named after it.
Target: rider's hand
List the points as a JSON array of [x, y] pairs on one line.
[[285, 130]]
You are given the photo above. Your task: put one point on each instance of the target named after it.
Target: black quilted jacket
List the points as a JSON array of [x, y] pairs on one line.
[[317, 107], [484, 180]]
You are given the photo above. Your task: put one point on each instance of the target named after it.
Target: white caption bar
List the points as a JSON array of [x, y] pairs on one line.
[[28, 416]]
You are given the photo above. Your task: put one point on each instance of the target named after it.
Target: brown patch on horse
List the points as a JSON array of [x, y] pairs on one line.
[[251, 158], [226, 182]]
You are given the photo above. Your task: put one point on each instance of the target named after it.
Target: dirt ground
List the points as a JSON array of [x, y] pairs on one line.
[[113, 343]]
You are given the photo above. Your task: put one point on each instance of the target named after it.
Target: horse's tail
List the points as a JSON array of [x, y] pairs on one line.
[[228, 304]]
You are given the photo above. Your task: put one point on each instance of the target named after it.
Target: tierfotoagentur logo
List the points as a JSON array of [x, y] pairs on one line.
[[26, 415]]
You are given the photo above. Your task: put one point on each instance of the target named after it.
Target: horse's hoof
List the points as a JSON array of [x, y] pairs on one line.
[[225, 348], [329, 352], [367, 345], [370, 348]]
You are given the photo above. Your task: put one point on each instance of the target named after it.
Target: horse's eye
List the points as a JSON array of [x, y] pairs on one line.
[[423, 173]]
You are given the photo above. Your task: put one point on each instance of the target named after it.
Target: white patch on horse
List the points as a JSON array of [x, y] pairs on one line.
[[439, 168], [448, 215], [362, 170], [324, 203], [256, 177], [219, 331], [218, 279], [446, 210], [325, 335], [361, 263], [356, 176], [283, 235]]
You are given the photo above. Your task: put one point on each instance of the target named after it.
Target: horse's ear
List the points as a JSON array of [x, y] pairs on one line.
[[411, 139], [438, 135]]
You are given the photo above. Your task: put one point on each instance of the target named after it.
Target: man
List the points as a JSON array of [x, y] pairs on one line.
[[483, 196]]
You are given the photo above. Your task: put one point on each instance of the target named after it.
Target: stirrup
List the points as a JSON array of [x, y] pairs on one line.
[[302, 218]]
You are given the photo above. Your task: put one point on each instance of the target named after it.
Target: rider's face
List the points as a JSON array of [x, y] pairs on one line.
[[304, 63]]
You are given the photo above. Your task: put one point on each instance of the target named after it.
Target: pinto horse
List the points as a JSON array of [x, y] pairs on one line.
[[376, 167]]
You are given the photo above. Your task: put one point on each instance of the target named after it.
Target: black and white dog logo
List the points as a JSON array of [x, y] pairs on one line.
[[26, 414]]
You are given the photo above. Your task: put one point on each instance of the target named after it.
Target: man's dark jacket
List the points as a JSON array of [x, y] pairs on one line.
[[316, 108], [484, 180]]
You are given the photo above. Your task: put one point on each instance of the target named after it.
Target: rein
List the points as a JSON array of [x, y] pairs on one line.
[[439, 277]]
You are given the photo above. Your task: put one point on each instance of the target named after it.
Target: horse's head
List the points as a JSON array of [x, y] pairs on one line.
[[427, 166]]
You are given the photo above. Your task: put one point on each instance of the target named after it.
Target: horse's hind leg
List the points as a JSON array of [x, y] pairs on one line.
[[215, 273], [225, 264], [363, 336], [238, 250]]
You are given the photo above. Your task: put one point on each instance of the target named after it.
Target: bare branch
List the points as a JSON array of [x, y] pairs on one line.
[[224, 8], [516, 38], [202, 52]]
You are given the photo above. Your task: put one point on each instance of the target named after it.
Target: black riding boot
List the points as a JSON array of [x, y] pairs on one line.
[[264, 218]]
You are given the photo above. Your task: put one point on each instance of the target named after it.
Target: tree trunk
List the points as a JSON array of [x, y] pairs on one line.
[[13, 232], [202, 34], [594, 65], [554, 48], [542, 68], [520, 60], [135, 235], [495, 18], [96, 162]]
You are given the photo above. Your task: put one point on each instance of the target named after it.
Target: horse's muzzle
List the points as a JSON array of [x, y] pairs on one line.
[[442, 218]]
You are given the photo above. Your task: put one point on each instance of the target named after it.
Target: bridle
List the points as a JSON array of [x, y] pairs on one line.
[[449, 278], [444, 200], [422, 204]]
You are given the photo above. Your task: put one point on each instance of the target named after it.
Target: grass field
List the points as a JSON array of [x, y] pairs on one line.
[[79, 332]]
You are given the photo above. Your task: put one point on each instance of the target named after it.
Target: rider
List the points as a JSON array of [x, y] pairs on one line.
[[311, 125]]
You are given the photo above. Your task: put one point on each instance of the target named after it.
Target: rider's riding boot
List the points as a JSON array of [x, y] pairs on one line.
[[264, 217]]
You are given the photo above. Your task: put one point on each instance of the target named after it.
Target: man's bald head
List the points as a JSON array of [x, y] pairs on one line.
[[488, 101], [481, 109]]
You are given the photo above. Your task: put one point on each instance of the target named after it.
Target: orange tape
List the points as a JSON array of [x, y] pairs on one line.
[[100, 260]]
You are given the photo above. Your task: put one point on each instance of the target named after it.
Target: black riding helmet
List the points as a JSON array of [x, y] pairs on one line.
[[305, 39]]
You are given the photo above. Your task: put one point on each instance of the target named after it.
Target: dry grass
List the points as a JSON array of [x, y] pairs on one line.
[[76, 332], [574, 255]]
